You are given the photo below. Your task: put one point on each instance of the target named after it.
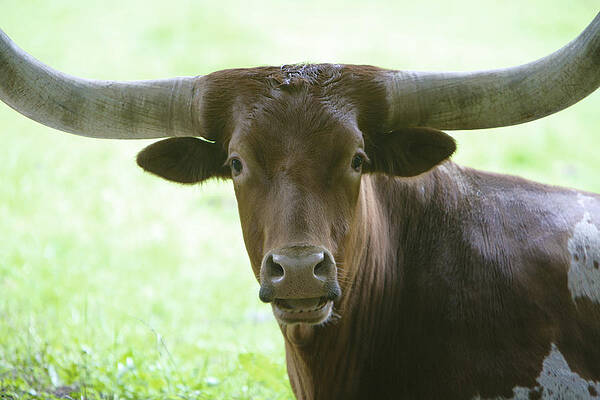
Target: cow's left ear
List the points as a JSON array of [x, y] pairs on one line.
[[184, 160], [408, 151]]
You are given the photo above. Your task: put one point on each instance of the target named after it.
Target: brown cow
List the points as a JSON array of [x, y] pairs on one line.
[[393, 272]]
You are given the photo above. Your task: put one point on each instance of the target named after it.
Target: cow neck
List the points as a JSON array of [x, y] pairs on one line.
[[334, 360]]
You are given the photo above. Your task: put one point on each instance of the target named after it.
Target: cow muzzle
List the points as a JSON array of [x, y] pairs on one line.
[[300, 282]]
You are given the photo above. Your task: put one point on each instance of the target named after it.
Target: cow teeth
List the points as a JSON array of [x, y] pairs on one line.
[[319, 307], [284, 306]]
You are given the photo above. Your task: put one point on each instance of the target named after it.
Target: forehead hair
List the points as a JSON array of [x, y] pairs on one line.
[[297, 104], [306, 97], [291, 77]]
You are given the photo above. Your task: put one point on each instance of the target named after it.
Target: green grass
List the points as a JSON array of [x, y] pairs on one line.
[[114, 284]]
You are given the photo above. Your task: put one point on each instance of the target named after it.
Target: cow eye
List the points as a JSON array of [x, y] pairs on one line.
[[357, 162], [236, 166]]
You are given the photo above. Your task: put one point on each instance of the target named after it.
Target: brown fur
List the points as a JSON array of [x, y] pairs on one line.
[[454, 281]]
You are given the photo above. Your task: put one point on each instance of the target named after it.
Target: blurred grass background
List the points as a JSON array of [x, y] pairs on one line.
[[115, 284]]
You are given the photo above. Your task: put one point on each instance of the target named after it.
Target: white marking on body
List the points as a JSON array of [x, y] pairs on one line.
[[582, 198], [556, 381], [584, 272]]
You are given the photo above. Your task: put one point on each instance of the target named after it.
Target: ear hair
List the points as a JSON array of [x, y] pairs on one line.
[[408, 151], [184, 159]]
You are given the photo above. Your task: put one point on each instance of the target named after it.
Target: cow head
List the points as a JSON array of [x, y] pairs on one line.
[[296, 140], [296, 161]]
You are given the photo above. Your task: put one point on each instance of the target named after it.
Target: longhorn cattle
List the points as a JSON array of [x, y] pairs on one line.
[[392, 272]]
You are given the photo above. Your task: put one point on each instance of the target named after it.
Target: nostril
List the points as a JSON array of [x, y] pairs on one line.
[[321, 270], [275, 272]]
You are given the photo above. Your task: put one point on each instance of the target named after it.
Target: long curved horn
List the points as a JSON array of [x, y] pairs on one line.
[[100, 109], [502, 97]]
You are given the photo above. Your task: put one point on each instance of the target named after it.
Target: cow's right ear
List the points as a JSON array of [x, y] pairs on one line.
[[409, 151], [184, 160]]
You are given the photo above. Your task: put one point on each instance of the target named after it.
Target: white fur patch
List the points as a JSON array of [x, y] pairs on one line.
[[556, 381], [584, 248], [557, 377]]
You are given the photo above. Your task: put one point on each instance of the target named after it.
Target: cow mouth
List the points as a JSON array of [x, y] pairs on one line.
[[312, 311]]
